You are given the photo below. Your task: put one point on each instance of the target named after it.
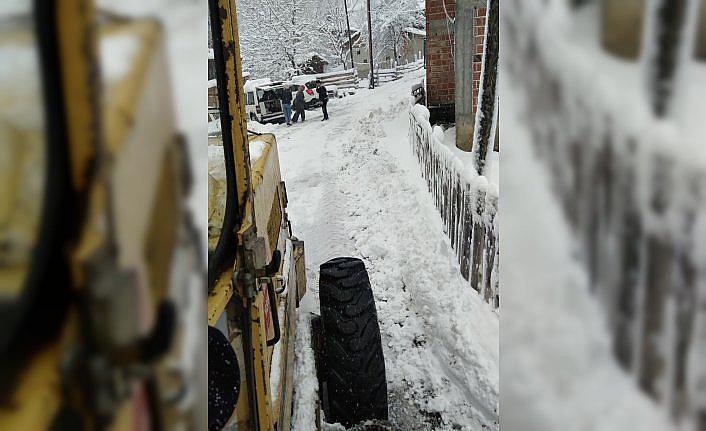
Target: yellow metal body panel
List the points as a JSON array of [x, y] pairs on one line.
[[77, 46], [137, 179], [37, 399], [21, 152]]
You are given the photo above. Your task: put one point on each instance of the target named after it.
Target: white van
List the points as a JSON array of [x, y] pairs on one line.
[[263, 100]]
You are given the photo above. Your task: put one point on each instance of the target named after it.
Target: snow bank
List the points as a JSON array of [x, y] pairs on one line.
[[467, 202], [630, 187], [558, 369]]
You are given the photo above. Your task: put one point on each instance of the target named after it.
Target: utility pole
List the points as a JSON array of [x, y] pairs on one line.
[[350, 38], [370, 49]]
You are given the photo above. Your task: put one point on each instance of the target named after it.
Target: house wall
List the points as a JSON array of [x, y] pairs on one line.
[[360, 57], [412, 50], [440, 63], [478, 43]]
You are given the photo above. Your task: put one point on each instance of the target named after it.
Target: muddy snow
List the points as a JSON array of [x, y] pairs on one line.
[[355, 190]]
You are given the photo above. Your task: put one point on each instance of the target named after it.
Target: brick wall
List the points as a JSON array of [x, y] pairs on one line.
[[478, 42], [440, 62]]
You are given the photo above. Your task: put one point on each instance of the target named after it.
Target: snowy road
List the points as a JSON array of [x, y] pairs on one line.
[[354, 190]]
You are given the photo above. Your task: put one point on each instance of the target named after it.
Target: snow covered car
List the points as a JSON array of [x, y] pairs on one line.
[[332, 91], [311, 98]]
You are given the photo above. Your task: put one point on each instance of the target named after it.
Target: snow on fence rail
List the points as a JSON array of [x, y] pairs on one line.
[[419, 94], [386, 75], [467, 203], [410, 67], [633, 189], [342, 79]]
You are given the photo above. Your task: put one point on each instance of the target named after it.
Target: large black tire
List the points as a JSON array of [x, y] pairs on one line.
[[354, 384]]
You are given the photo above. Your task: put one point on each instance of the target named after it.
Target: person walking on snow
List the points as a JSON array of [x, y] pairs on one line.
[[287, 105], [299, 105], [323, 97]]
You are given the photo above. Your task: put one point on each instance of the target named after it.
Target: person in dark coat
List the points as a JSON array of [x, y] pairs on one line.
[[299, 106], [323, 97], [287, 105]]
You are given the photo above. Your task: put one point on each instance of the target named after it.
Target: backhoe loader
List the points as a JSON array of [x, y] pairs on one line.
[[257, 278], [98, 257]]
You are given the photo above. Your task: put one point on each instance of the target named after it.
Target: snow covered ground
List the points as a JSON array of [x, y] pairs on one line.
[[355, 189]]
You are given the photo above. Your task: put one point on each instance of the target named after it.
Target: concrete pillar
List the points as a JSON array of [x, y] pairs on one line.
[[463, 66]]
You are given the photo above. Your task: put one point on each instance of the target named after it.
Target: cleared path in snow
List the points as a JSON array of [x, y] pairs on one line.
[[354, 189]]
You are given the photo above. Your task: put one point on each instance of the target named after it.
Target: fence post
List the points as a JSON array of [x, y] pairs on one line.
[[491, 244]]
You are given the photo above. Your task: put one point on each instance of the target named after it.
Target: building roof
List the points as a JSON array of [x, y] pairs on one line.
[[416, 31]]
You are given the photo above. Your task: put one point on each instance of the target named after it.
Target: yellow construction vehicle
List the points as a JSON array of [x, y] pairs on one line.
[[97, 254], [256, 276]]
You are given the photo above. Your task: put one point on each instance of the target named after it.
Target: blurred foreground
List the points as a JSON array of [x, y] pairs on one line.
[[101, 265], [604, 215]]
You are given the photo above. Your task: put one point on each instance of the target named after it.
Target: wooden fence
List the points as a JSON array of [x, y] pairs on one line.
[[467, 203], [419, 94], [387, 75], [343, 79], [635, 197]]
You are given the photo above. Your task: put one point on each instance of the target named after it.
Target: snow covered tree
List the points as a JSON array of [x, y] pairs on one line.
[[333, 32], [276, 35], [392, 17]]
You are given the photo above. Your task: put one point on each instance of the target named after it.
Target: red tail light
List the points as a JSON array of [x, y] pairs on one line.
[[310, 91], [257, 109]]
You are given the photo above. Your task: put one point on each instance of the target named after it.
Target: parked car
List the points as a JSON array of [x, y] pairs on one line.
[[311, 98]]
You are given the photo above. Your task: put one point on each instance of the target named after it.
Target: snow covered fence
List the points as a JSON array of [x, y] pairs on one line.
[[409, 67], [343, 79], [419, 94], [386, 75], [468, 205], [632, 185]]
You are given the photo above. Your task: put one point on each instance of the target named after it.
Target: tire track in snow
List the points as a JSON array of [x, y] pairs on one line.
[[350, 196], [447, 379]]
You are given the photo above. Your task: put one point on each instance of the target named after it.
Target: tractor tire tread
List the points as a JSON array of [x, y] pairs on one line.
[[354, 365]]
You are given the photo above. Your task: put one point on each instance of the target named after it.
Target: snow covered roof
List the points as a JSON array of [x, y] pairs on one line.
[[313, 54], [212, 83], [271, 85], [303, 79], [416, 31], [253, 83]]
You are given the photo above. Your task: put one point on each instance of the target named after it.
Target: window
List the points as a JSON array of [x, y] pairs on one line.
[[249, 98]]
